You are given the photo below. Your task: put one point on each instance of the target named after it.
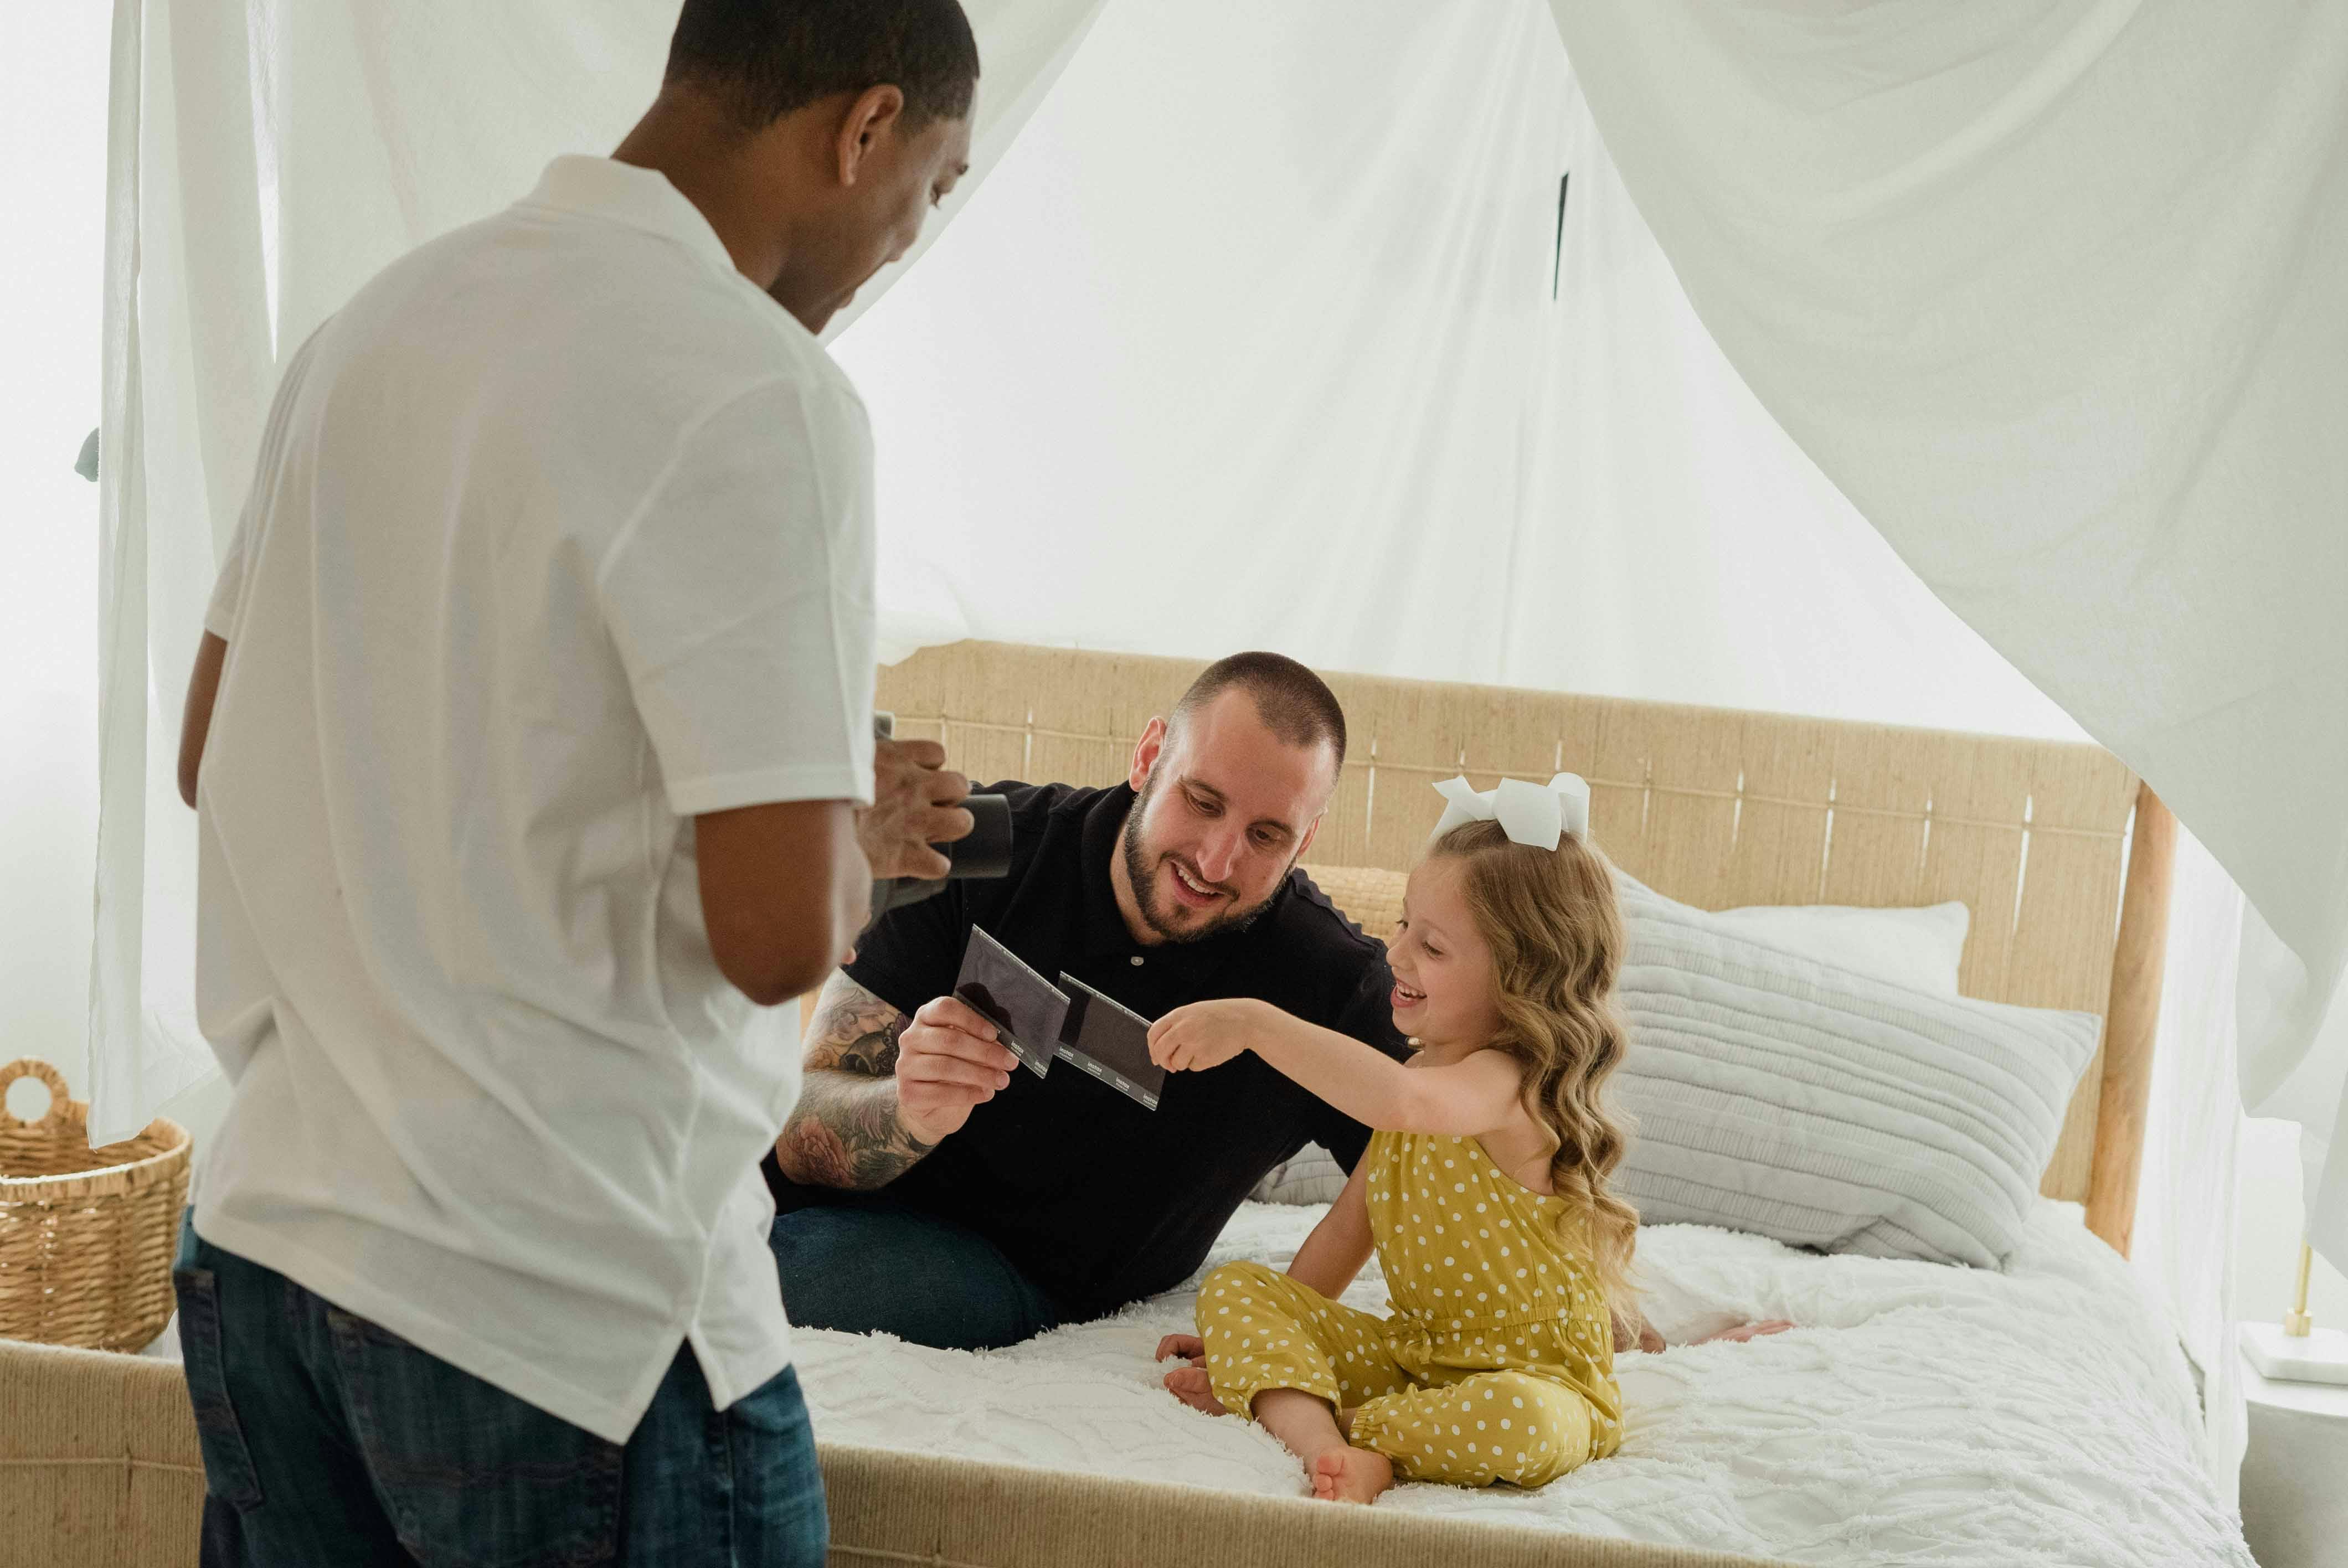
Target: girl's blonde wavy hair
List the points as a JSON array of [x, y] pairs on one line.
[[1550, 919]]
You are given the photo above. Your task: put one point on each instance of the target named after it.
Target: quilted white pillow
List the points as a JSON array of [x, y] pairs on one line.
[[1827, 1108]]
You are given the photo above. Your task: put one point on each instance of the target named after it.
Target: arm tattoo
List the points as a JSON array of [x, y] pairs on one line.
[[854, 1031], [844, 1131]]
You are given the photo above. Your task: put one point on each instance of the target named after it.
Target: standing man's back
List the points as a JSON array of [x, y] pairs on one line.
[[503, 575], [545, 658]]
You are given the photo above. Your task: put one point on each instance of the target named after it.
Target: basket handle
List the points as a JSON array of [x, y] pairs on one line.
[[60, 1100]]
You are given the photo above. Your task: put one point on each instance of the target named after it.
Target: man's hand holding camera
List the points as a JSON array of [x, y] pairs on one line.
[[916, 804]]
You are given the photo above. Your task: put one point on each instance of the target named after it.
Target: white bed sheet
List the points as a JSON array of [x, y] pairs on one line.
[[1923, 1414]]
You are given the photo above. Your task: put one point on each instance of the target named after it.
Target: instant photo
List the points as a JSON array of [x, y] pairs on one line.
[[1111, 1042], [1027, 1009]]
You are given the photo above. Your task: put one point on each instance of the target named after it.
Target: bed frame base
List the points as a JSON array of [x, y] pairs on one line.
[[101, 1470], [890, 1508]]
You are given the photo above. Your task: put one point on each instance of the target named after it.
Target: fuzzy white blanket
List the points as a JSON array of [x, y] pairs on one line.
[[1923, 1414]]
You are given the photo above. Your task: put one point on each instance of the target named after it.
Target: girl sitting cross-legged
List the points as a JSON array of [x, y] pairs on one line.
[[1484, 1188]]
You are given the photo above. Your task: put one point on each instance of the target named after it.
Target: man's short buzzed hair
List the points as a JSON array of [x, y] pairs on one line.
[[773, 56], [1295, 704]]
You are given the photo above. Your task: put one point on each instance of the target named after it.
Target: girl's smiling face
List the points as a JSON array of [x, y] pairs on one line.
[[1444, 992]]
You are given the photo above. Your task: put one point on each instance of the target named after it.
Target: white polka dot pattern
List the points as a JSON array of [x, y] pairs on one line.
[[1444, 1365]]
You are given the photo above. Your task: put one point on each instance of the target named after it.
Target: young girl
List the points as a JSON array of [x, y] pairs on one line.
[[1483, 1189]]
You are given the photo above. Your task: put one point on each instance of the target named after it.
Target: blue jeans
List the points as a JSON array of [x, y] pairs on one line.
[[327, 1439], [869, 1266]]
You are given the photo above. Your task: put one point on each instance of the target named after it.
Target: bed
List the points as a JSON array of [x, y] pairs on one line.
[[1924, 1414], [2062, 859]]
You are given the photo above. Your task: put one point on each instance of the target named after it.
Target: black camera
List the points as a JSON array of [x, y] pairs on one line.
[[985, 852]]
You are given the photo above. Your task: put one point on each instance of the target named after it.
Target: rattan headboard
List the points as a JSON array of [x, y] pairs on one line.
[[1711, 807]]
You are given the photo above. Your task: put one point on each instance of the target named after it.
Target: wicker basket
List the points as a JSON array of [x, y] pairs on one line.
[[87, 1235]]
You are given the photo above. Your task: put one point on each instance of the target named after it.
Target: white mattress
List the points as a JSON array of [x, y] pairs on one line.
[[1924, 1414]]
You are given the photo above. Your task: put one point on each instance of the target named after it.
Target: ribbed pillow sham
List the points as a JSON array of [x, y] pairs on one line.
[[1799, 1100]]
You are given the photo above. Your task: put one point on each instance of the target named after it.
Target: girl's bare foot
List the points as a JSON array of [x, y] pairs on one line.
[[1194, 1389], [1351, 1475], [1308, 1425]]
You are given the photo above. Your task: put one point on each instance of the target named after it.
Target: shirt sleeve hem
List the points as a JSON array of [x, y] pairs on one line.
[[889, 984], [770, 786]]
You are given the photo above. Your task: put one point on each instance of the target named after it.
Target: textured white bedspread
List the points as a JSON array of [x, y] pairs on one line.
[[1923, 1414]]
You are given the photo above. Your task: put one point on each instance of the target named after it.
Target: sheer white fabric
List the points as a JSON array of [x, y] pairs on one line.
[[264, 160], [1275, 348], [2183, 1245], [184, 311], [2052, 291]]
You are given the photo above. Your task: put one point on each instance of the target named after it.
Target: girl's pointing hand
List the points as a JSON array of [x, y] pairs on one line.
[[1208, 1034]]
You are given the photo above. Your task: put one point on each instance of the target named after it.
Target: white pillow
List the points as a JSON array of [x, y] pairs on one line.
[[1919, 947], [1312, 1176], [1827, 1108]]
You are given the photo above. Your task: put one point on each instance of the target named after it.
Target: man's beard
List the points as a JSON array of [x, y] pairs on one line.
[[1143, 875]]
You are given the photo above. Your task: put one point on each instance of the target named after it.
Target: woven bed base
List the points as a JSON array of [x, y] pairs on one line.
[[98, 1463], [893, 1510], [99, 1469]]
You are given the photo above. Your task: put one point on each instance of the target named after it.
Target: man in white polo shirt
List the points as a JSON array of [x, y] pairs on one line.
[[532, 744]]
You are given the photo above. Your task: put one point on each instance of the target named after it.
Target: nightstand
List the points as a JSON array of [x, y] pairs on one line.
[[2295, 1473]]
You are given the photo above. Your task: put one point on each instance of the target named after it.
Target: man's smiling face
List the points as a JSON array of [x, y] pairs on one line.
[[1225, 809]]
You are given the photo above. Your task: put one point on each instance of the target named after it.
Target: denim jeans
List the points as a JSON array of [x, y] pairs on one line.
[[869, 1266], [327, 1439]]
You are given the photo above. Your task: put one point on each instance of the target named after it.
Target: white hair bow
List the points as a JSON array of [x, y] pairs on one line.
[[1538, 814]]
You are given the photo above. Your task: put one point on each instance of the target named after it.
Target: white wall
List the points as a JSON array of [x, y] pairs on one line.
[[2269, 1217], [52, 188]]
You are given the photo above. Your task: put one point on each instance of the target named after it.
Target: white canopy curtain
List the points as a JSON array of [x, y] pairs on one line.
[[1276, 346], [2053, 290], [265, 160], [1278, 343]]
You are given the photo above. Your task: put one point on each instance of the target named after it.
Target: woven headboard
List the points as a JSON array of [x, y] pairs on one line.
[[1711, 807]]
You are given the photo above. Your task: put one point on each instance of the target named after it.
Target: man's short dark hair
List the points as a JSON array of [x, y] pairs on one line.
[[1295, 704], [773, 56]]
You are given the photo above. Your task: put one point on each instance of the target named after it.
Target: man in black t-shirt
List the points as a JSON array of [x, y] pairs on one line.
[[930, 1187]]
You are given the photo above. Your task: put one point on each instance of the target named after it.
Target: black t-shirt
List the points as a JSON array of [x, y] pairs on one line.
[[1098, 1200]]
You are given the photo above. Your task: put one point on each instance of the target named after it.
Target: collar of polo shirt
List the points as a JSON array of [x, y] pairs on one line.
[[640, 198]]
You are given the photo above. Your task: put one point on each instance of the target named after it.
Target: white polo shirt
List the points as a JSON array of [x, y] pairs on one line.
[[561, 534]]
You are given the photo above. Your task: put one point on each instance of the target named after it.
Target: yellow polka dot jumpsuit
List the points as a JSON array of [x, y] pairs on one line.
[[1498, 1362]]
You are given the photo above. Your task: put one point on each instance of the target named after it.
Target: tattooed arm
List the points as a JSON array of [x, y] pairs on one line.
[[844, 1131], [881, 1090]]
